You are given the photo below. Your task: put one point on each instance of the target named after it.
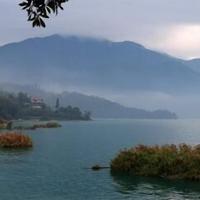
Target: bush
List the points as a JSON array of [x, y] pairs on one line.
[[47, 125], [169, 161], [15, 140]]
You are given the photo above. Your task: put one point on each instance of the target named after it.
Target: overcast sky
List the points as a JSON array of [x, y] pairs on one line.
[[171, 26]]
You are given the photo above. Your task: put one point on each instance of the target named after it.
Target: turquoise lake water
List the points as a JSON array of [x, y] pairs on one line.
[[55, 169]]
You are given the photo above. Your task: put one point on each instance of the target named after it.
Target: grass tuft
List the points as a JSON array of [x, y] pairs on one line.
[[169, 161], [15, 140]]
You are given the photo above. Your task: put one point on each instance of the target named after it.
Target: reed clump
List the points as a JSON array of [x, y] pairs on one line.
[[15, 140], [169, 161]]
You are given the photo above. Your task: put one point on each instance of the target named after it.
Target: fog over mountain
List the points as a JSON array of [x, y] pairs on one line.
[[124, 72], [92, 63]]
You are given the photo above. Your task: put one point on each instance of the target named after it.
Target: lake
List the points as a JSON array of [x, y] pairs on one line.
[[56, 168]]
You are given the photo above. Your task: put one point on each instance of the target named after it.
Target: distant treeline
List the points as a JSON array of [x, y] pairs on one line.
[[20, 106]]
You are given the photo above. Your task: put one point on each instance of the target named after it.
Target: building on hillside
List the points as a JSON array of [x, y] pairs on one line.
[[37, 102], [3, 123]]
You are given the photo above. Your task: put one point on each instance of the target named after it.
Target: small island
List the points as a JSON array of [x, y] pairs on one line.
[[168, 161], [38, 126]]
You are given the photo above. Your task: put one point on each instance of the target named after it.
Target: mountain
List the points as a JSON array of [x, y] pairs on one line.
[[77, 62], [194, 64], [99, 107], [103, 108]]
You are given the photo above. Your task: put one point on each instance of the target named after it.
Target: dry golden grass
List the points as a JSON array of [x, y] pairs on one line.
[[15, 140]]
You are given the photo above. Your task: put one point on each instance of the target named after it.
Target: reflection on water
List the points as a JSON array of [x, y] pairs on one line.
[[13, 156], [155, 188]]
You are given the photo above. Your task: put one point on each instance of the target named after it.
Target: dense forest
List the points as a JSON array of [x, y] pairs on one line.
[[21, 106]]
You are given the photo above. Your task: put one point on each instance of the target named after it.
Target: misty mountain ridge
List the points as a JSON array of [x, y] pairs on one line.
[[124, 72], [99, 107], [94, 64]]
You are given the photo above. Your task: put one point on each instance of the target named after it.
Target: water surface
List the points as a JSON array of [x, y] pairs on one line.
[[55, 169]]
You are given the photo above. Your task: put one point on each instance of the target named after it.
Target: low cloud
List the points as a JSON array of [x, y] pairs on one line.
[[182, 40]]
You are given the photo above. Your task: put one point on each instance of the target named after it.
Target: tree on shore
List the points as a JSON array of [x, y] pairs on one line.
[[19, 106], [57, 103], [38, 10]]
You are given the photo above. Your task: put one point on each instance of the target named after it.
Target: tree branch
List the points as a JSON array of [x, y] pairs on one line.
[[38, 10]]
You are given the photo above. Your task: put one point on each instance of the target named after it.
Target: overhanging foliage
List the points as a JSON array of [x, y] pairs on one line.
[[38, 10]]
